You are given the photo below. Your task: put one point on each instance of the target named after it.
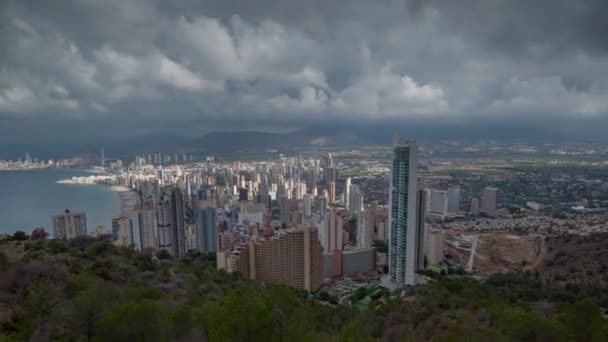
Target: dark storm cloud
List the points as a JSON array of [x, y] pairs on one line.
[[133, 67]]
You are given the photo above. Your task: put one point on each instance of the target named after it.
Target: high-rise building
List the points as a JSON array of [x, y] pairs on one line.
[[454, 199], [178, 211], [489, 201], [69, 225], [355, 201], [439, 202], [300, 190], [404, 217], [428, 195], [170, 219], [330, 174], [331, 192], [382, 233], [435, 245], [321, 205], [147, 225], [346, 194], [474, 206], [264, 196], [164, 225], [307, 205], [122, 231], [420, 229], [330, 232], [206, 230], [364, 230]]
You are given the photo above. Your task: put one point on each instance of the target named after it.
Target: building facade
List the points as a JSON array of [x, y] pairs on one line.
[[454, 199], [292, 257], [489, 201], [69, 225], [206, 230], [147, 225], [403, 197], [122, 231]]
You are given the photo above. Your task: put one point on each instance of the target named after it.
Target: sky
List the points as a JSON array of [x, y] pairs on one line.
[[75, 70]]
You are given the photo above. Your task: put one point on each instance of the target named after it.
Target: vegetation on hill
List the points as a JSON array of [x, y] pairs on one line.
[[580, 260], [90, 290]]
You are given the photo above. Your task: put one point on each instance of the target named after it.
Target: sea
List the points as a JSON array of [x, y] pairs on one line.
[[28, 199]]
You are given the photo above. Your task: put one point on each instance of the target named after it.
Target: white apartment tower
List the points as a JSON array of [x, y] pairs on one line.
[[346, 194], [355, 199], [69, 225]]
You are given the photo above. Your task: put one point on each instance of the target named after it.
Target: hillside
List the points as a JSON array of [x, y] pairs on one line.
[[90, 290], [503, 253], [236, 141], [577, 259], [570, 260]]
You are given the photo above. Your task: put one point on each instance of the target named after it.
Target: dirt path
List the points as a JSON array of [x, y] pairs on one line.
[[474, 239]]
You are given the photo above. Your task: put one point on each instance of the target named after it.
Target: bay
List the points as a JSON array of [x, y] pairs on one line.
[[28, 199]]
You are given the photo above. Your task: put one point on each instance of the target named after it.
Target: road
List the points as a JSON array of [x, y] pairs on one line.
[[474, 239]]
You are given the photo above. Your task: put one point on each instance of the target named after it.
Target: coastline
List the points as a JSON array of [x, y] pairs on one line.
[[126, 197], [93, 179], [33, 196], [52, 168]]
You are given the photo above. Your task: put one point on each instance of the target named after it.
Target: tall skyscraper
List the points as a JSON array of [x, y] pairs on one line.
[[307, 205], [331, 192], [69, 225], [454, 199], [428, 195], [364, 230], [178, 211], [206, 230], [355, 201], [403, 217], [122, 230], [489, 201], [321, 205], [420, 229], [147, 225], [330, 232], [474, 206], [170, 218], [347, 192], [331, 174], [164, 224]]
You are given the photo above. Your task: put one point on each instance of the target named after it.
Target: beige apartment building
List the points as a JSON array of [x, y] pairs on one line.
[[291, 257]]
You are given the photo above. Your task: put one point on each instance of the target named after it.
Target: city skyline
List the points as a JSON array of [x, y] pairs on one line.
[[286, 170]]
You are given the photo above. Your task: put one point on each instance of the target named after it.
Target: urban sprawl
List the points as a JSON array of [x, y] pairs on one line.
[[345, 219]]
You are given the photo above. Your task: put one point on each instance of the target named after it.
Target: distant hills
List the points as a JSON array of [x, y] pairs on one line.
[[330, 134], [229, 141]]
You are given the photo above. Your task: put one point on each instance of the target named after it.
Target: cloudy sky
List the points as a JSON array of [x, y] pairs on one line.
[[114, 68]]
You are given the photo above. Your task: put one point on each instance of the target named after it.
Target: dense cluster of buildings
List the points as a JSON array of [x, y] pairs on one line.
[[30, 163], [293, 221]]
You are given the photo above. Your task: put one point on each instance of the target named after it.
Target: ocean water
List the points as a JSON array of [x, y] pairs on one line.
[[29, 198]]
